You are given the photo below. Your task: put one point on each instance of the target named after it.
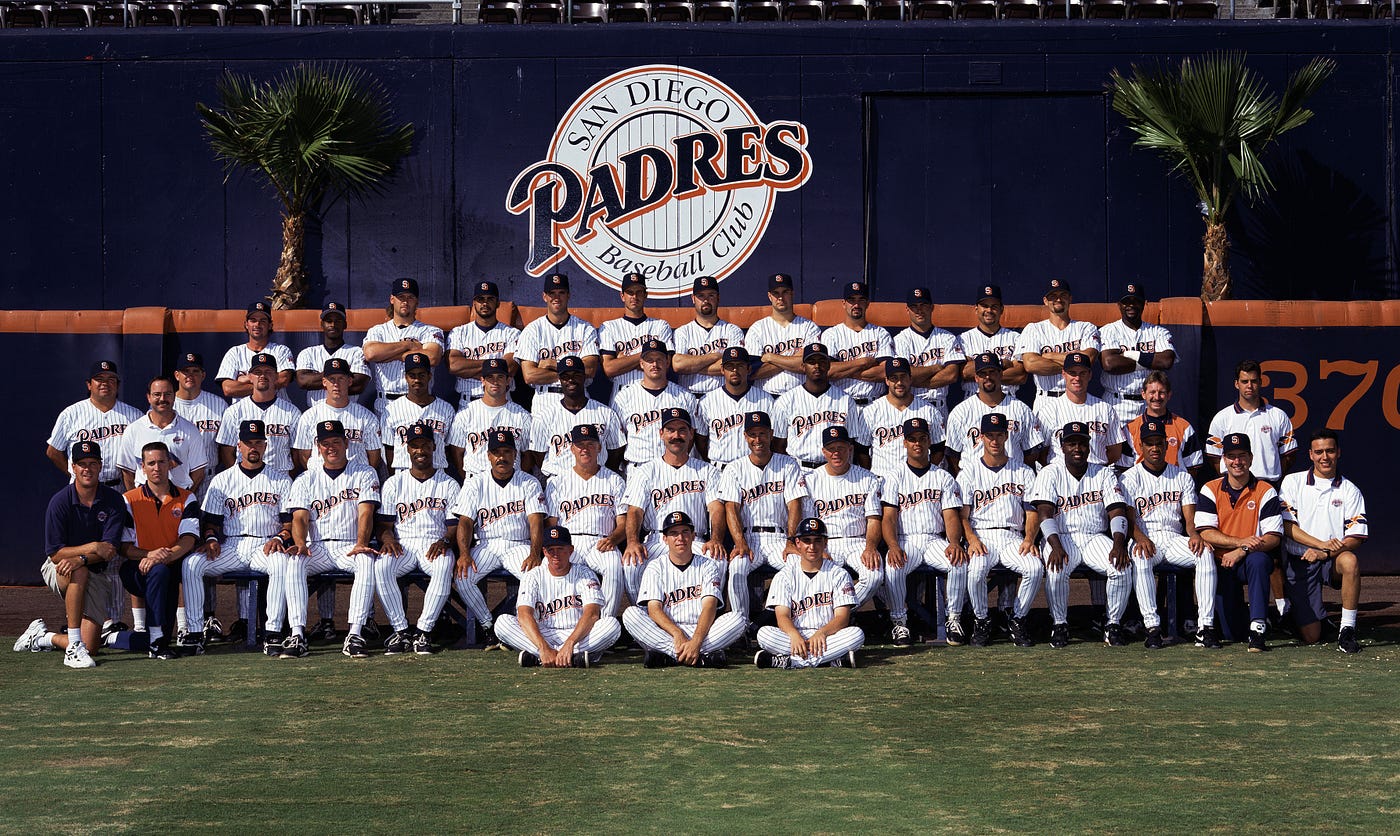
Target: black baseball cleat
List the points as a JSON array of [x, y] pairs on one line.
[[213, 629], [1020, 636], [850, 658], [528, 659], [955, 634], [1346, 641], [716, 659], [1059, 635], [272, 644], [237, 630], [422, 645], [655, 659], [1207, 637], [294, 648], [190, 644], [581, 660], [486, 637], [370, 630], [764, 659], [981, 632], [900, 636], [1113, 635], [161, 649], [324, 631], [1154, 638], [355, 647], [397, 643], [1256, 642]]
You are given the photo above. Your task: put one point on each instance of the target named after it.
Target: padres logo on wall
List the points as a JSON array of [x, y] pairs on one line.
[[661, 170]]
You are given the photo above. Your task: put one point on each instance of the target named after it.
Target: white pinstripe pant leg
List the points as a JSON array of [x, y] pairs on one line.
[[726, 629], [362, 588], [298, 568], [196, 567], [838, 644], [484, 562], [1005, 546], [439, 585], [925, 550], [387, 571], [1057, 580], [606, 565], [1176, 550], [508, 630], [604, 635], [632, 576], [275, 567], [767, 547], [978, 567], [1095, 550], [847, 551]]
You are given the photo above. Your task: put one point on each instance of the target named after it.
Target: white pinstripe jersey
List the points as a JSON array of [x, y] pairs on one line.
[[83, 421], [722, 416], [586, 506], [501, 512], [657, 488], [402, 413], [475, 343], [639, 409], [551, 421], [1117, 335], [1041, 337], [419, 510], [884, 423], [250, 506], [762, 494], [996, 498], [974, 341], [622, 337], [921, 499], [472, 427], [681, 590], [1324, 509], [334, 501], [799, 416], [965, 427], [1158, 497], [186, 445], [239, 359], [388, 375], [1082, 503], [936, 348], [1105, 429], [279, 417], [768, 336], [206, 412], [313, 359], [811, 600], [846, 343], [543, 340], [695, 339], [558, 602], [843, 502], [361, 431]]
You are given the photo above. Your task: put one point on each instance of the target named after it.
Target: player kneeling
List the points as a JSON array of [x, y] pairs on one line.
[[813, 599], [559, 621], [676, 618]]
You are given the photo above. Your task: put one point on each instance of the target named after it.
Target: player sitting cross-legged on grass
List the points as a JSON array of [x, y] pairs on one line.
[[813, 599], [558, 621]]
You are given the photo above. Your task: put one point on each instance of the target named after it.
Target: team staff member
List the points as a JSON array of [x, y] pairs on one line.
[[1076, 404], [387, 343], [1025, 436], [990, 336], [99, 418], [621, 340], [587, 500], [492, 410], [232, 376], [846, 497], [162, 423], [484, 337], [1044, 344], [886, 416], [1184, 448], [1131, 349], [1324, 518], [552, 418], [857, 348], [700, 342], [722, 411], [418, 406], [313, 359], [812, 599], [778, 339], [557, 334], [264, 404], [934, 354], [802, 414]]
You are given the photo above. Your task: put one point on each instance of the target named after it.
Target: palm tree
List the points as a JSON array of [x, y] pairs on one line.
[[316, 134], [1213, 120]]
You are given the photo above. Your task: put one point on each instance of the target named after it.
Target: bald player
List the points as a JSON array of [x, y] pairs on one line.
[[990, 336], [551, 419], [418, 406], [640, 404], [777, 340], [1131, 349], [722, 411], [1044, 344], [403, 333], [857, 347], [803, 413], [884, 419], [483, 337], [1025, 436], [587, 500], [621, 340], [232, 376], [700, 342], [935, 356], [846, 497], [813, 600], [480, 416], [1075, 404], [312, 359], [264, 404], [99, 418], [556, 335]]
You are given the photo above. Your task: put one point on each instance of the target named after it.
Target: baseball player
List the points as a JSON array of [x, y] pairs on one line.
[[884, 419], [1239, 514], [1324, 518], [1184, 448], [803, 413], [485, 337], [205, 410], [677, 618], [312, 360], [1081, 504], [183, 442], [777, 340], [245, 527], [846, 497], [552, 418], [990, 336], [1131, 349], [813, 600], [99, 418], [332, 510], [1163, 505], [935, 356], [1026, 438], [857, 348], [264, 404], [403, 333], [232, 376], [361, 426], [480, 416], [587, 500], [1044, 344], [553, 336], [418, 406], [639, 405], [700, 341], [922, 524], [722, 411], [416, 532], [1075, 404], [621, 340], [558, 621], [762, 495], [1001, 527]]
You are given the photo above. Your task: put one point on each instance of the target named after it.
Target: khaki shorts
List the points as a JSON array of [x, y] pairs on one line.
[[97, 603]]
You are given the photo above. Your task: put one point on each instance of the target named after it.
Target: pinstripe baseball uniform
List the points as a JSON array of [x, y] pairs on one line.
[[388, 375], [695, 339], [639, 409], [1083, 514], [437, 414], [473, 425], [964, 422], [722, 417], [996, 499], [799, 416], [550, 425], [845, 503], [83, 421], [332, 501], [477, 343], [920, 497], [975, 341], [1102, 419], [501, 514], [768, 336], [623, 337], [681, 591], [1041, 337], [206, 412], [418, 511], [1117, 335], [361, 431], [239, 359], [1160, 500], [589, 508], [884, 422], [762, 496], [558, 604], [812, 601], [938, 347], [846, 343], [543, 340], [278, 415], [657, 489], [313, 359]]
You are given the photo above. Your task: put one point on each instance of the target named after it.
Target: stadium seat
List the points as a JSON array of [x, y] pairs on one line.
[[245, 14], [1352, 9], [26, 15], [348, 14], [1200, 9], [588, 11], [850, 10], [889, 10], [161, 14], [499, 11], [1108, 9], [716, 11], [629, 11], [1063, 9], [206, 14], [73, 15], [760, 10], [542, 11], [673, 11], [978, 10], [1020, 9], [1150, 9], [934, 9], [804, 10]]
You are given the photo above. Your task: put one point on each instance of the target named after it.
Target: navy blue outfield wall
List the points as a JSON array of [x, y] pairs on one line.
[[949, 154]]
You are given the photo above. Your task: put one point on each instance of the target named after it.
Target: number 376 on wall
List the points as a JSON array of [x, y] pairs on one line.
[[1276, 370]]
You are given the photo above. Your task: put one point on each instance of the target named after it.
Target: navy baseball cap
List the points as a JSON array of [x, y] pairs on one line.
[[754, 420], [814, 350], [329, 429], [416, 360], [418, 430], [631, 280], [252, 431], [404, 286], [485, 289], [84, 450], [993, 422], [1073, 429], [854, 289], [101, 367], [1153, 428], [584, 432], [811, 527], [190, 360], [262, 306], [779, 281], [675, 413], [896, 365], [1235, 442], [1057, 285], [556, 281], [1077, 360], [915, 425], [333, 309], [986, 360], [500, 440], [834, 435], [654, 344], [494, 365], [263, 359], [335, 365], [557, 535], [919, 296], [735, 354], [569, 364], [989, 291], [704, 283], [1134, 290], [677, 518]]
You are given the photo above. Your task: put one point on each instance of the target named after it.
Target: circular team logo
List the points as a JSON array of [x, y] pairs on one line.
[[1251, 505], [1172, 441], [662, 170]]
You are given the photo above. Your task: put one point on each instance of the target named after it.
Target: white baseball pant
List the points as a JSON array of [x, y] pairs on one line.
[[726, 630], [847, 551], [487, 557], [1091, 550], [387, 571], [325, 557], [924, 550], [236, 553], [768, 547], [603, 635], [607, 565], [1003, 549], [838, 644], [1176, 550]]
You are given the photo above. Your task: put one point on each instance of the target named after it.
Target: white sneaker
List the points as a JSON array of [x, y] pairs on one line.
[[76, 656], [30, 639]]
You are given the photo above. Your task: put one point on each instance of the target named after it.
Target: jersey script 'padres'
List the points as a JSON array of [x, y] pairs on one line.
[[846, 343], [884, 422], [361, 431], [768, 336], [695, 339], [1148, 337], [333, 499], [812, 599], [501, 512], [763, 494], [551, 422], [1083, 503], [249, 505], [996, 498], [1159, 497], [975, 341], [477, 343], [543, 340], [402, 413], [682, 590], [800, 416], [657, 488], [965, 422], [280, 418], [639, 409], [85, 422], [419, 509], [623, 337], [722, 416], [558, 602], [843, 502], [921, 497], [1101, 418], [475, 422], [588, 507], [937, 347], [1043, 337]]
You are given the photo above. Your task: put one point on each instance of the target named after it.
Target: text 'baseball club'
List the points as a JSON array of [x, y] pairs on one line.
[[661, 170]]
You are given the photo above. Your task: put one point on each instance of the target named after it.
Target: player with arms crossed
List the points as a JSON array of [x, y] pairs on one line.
[[620, 340], [387, 343], [846, 497], [557, 334], [1025, 436], [777, 340], [232, 376], [484, 337], [700, 342], [990, 336], [312, 360], [857, 348], [558, 621], [1044, 344], [813, 600], [934, 355], [1131, 349], [587, 500], [722, 411]]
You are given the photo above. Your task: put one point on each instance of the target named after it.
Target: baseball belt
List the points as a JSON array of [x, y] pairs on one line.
[[1050, 394], [765, 529], [1127, 397], [813, 464], [394, 396], [861, 401]]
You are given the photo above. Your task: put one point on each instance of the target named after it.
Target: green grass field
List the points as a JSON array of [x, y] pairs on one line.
[[959, 740]]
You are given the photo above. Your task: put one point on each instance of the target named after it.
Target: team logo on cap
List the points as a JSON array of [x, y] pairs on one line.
[[919, 294], [328, 426], [987, 290], [676, 518], [635, 180], [811, 525]]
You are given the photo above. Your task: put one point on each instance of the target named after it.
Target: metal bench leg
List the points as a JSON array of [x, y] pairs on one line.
[[1171, 606], [248, 603], [941, 607]]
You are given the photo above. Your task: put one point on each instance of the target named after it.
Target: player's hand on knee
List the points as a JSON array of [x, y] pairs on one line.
[[1118, 556], [437, 549], [358, 549], [1144, 547], [870, 558], [1028, 546], [975, 547], [715, 549], [1057, 558], [896, 557], [635, 555], [465, 564], [391, 548], [816, 645], [956, 554]]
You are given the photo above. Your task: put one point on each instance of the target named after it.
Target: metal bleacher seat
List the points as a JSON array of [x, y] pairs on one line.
[[849, 10], [249, 14], [206, 14], [588, 11], [673, 11], [804, 10], [716, 11], [933, 9], [542, 11], [499, 11], [159, 13], [73, 15], [760, 10], [1150, 8], [629, 11], [1020, 8], [26, 15]]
